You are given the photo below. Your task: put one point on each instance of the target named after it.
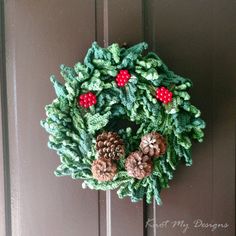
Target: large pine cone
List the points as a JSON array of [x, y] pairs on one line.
[[109, 145], [138, 165], [153, 144], [104, 169]]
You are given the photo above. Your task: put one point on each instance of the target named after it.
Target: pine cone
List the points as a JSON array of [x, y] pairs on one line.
[[153, 144], [138, 165], [104, 169], [109, 145]]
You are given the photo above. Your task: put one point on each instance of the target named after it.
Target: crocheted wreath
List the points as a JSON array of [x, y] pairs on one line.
[[122, 120]]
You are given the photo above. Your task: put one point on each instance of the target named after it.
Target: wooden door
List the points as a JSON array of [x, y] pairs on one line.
[[197, 39]]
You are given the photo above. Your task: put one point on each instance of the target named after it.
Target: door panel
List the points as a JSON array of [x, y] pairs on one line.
[[41, 35], [197, 39]]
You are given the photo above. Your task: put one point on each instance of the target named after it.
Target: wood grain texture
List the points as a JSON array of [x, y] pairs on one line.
[[40, 36]]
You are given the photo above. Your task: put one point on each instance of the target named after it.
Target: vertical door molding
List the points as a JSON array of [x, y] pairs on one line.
[[5, 198], [2, 111], [120, 22]]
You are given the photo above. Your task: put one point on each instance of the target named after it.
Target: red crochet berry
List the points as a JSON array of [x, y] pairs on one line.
[[164, 95], [87, 100], [122, 78]]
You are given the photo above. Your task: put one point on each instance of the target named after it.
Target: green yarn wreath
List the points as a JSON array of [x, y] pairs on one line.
[[120, 90]]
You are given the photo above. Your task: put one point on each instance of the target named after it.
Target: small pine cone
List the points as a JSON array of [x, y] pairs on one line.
[[109, 145], [153, 144], [104, 169], [138, 165]]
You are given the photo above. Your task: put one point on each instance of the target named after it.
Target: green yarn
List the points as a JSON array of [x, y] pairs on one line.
[[73, 129]]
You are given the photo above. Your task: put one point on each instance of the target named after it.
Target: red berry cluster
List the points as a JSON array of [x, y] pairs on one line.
[[164, 95], [122, 78], [87, 100]]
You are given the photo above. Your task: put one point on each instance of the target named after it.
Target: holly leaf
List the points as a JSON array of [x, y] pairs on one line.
[[97, 121]]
